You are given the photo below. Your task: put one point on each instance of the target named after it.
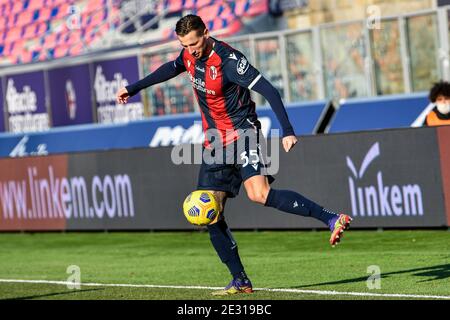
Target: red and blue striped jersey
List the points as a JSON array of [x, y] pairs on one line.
[[222, 83]]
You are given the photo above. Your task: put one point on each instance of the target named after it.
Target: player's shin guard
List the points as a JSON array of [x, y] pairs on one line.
[[292, 202], [226, 247]]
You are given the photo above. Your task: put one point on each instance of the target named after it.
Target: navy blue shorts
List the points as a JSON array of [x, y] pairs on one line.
[[240, 162]]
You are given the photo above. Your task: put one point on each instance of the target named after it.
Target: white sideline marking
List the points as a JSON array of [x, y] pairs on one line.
[[320, 292]]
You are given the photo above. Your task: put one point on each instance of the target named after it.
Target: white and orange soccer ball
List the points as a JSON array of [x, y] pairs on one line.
[[200, 208]]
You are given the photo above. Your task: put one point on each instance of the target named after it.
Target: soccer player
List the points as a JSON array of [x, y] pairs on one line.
[[222, 79]]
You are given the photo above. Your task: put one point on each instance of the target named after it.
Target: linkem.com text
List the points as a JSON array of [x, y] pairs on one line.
[[43, 196]]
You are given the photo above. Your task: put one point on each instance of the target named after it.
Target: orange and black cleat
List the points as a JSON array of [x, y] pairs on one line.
[[342, 223]]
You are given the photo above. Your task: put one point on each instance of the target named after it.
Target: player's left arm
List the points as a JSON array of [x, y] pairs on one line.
[[271, 94], [240, 71]]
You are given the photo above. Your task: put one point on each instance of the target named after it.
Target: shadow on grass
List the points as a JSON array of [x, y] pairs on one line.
[[52, 294], [438, 272]]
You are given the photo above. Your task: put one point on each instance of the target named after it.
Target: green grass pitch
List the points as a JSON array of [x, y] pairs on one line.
[[411, 263]]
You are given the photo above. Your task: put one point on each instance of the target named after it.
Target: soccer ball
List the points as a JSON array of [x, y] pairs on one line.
[[200, 207]]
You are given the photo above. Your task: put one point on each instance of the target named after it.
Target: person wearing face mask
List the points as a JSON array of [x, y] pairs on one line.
[[440, 96]]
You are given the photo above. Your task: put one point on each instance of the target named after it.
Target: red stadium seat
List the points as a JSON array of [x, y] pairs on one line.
[[44, 14], [257, 7], [201, 3], [16, 47], [61, 51], [189, 4], [17, 7], [94, 5], [35, 4], [24, 18], [73, 37], [13, 34], [241, 7], [209, 13], [12, 20], [41, 29], [63, 11], [76, 49], [96, 18], [6, 9], [7, 48], [50, 41], [30, 31], [24, 56], [175, 5], [3, 22]]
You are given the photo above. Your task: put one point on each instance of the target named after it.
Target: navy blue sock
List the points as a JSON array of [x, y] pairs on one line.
[[292, 202], [226, 248]]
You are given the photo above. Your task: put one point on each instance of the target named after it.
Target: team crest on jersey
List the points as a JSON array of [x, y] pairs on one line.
[[189, 63], [242, 66], [213, 72]]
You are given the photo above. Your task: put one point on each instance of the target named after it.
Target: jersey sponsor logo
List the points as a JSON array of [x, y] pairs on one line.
[[233, 56], [213, 72], [199, 85], [200, 69], [242, 66]]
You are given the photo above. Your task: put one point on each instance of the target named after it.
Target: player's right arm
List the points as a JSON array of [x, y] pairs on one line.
[[165, 72]]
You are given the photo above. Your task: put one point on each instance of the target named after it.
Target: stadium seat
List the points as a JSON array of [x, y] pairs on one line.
[[76, 49], [209, 13], [63, 11], [13, 34], [44, 14], [30, 31], [61, 51], [256, 7], [189, 4], [23, 57], [50, 41], [94, 5], [241, 7], [24, 18], [202, 3], [16, 8], [41, 28], [175, 6], [3, 22], [12, 21], [35, 4]]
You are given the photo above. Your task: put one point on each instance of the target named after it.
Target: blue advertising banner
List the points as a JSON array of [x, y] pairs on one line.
[[2, 107], [70, 98], [155, 132], [109, 77], [399, 111], [25, 102]]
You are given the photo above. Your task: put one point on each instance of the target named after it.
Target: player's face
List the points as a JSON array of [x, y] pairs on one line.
[[195, 44]]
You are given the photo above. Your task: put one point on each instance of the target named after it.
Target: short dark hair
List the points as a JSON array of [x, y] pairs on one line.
[[189, 23], [441, 88]]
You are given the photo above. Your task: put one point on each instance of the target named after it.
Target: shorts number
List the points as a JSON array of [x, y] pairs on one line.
[[253, 153]]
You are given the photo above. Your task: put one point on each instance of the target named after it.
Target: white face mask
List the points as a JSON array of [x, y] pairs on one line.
[[443, 108]]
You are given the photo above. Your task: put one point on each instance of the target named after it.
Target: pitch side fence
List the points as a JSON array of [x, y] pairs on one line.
[[385, 178]]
